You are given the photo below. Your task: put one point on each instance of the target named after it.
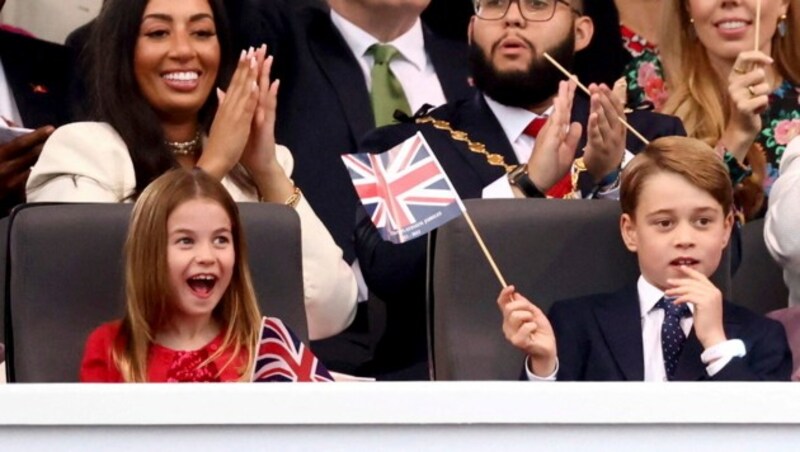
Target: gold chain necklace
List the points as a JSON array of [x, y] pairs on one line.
[[186, 147], [474, 146]]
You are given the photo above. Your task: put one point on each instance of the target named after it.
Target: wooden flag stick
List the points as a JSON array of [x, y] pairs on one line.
[[758, 21], [586, 90], [484, 249]]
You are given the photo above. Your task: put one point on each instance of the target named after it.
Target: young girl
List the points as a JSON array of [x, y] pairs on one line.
[[191, 312]]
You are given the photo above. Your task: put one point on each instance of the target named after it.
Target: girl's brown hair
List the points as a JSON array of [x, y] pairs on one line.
[[148, 292]]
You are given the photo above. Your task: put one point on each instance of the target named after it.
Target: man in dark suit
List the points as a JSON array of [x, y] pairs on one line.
[[37, 75], [486, 147], [324, 103], [321, 57], [673, 324]]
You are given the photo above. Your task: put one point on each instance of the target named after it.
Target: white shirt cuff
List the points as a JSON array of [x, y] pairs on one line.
[[534, 377], [717, 357], [499, 189]]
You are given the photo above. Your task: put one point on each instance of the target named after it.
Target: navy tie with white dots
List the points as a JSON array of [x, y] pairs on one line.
[[672, 337]]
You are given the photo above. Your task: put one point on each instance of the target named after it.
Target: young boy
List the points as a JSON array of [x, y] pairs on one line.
[[672, 324]]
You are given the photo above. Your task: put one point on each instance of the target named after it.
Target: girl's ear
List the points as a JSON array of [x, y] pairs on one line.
[[627, 228]]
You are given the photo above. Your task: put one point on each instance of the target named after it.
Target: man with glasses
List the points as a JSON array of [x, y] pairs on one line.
[[538, 136]]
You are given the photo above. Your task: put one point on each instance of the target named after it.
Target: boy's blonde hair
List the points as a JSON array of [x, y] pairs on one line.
[[691, 159], [148, 292]]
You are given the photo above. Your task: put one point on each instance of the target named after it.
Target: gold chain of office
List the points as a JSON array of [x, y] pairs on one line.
[[474, 146], [493, 159]]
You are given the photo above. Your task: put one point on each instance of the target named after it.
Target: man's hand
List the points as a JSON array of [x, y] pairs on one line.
[[555, 146], [528, 329], [16, 159], [696, 288], [605, 141]]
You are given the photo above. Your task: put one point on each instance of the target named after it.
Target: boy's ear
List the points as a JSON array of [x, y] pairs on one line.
[[470, 29], [728, 225], [627, 228]]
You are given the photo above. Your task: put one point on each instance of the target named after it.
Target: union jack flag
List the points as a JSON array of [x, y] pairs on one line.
[[405, 190], [282, 357]]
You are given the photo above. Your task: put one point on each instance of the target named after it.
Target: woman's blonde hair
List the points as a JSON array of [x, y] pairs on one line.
[[696, 95], [148, 292]]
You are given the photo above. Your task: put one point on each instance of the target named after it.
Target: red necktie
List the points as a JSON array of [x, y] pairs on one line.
[[564, 186], [535, 126]]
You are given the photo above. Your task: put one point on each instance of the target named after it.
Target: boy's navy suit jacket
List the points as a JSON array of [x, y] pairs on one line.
[[599, 338]]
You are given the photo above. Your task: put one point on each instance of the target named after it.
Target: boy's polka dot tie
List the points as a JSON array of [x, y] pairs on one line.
[[672, 337]]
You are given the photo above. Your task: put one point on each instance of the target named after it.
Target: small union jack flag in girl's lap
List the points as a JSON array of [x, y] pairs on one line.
[[282, 357]]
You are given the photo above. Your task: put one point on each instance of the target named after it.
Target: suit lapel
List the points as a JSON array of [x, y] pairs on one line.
[[690, 366], [341, 69], [476, 118], [619, 319], [29, 80]]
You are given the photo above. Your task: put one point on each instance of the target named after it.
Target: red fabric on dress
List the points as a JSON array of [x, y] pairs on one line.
[[164, 365]]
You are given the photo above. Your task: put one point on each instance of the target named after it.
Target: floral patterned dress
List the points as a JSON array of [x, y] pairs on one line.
[[644, 73], [780, 123]]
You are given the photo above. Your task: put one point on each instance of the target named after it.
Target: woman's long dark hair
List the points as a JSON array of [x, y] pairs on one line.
[[115, 95]]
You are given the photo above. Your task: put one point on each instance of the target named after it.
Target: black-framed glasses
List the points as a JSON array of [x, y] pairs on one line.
[[531, 10]]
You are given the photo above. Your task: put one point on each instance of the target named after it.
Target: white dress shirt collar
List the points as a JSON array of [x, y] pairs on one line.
[[410, 44], [8, 105], [649, 295], [513, 120]]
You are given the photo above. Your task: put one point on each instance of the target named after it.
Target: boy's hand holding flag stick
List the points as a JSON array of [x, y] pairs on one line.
[[407, 193], [586, 90]]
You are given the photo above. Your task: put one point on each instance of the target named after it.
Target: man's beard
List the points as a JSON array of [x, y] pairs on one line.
[[523, 89]]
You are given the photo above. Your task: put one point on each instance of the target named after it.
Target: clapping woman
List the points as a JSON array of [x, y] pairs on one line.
[[157, 70]]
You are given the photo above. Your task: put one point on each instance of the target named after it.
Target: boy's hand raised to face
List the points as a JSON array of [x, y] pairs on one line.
[[696, 288], [528, 329]]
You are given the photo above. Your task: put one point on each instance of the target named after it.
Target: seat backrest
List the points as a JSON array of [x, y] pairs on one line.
[[790, 319], [758, 283], [66, 278], [3, 277], [549, 249]]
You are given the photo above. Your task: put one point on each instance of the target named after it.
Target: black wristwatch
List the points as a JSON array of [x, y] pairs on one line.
[[519, 178]]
